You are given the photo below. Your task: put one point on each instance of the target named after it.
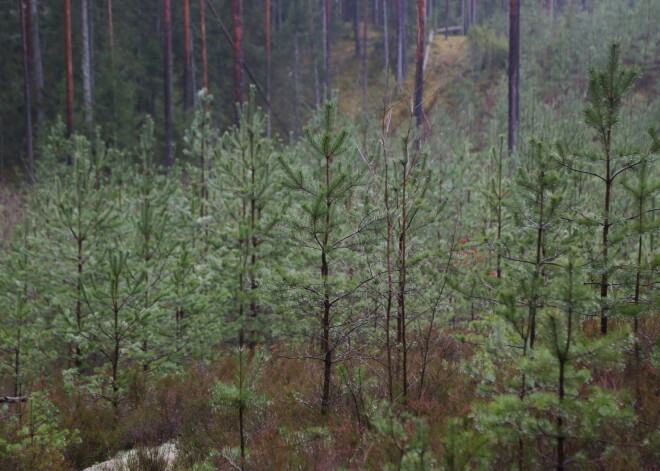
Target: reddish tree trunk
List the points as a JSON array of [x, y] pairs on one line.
[[26, 24], [326, 48], [365, 63], [69, 67], [37, 64], [205, 71], [187, 71], [86, 62], [356, 29], [400, 43], [386, 35], [514, 73], [267, 28], [167, 73], [237, 33], [419, 63]]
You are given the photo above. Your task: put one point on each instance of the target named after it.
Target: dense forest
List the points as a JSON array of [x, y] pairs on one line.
[[329, 235]]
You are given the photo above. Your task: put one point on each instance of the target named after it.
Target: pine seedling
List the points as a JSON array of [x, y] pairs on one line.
[[117, 314], [77, 221], [21, 330], [241, 396], [639, 228], [607, 90], [532, 247], [247, 206], [321, 229], [561, 409]]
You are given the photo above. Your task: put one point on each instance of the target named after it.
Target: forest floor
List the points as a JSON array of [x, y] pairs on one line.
[[445, 62]]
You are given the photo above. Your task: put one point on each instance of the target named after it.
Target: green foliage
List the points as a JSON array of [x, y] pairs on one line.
[[488, 50], [127, 287], [241, 393], [558, 403], [246, 203], [325, 225], [464, 447], [606, 90], [34, 440], [408, 436]]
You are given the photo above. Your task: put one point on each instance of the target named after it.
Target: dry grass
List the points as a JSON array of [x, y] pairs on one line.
[[445, 63]]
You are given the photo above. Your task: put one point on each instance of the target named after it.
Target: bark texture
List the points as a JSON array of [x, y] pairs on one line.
[[167, 76], [86, 62], [514, 74], [237, 37], [69, 67], [26, 20], [419, 64]]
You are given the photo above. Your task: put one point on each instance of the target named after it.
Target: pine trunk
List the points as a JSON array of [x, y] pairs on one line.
[[267, 28], [400, 52], [26, 20], [237, 37], [187, 68], [514, 74], [386, 35], [86, 62], [325, 273], [404, 36], [401, 294], [205, 72], [111, 30], [604, 282], [356, 29], [37, 64], [419, 64], [167, 75], [296, 84], [69, 69], [365, 62], [326, 49], [446, 19]]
